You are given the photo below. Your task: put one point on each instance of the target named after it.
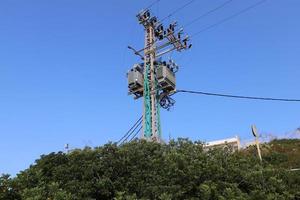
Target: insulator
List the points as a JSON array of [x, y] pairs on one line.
[[175, 69], [161, 37], [160, 28], [190, 46], [179, 35], [146, 14], [153, 20]]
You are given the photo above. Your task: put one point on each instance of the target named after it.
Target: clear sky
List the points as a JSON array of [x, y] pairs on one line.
[[63, 66]]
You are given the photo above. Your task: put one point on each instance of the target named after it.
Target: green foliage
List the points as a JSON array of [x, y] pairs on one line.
[[286, 152], [146, 170], [46, 191], [8, 189]]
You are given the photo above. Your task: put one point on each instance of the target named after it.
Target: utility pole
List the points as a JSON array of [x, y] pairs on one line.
[[256, 135], [151, 125], [154, 79], [67, 148]]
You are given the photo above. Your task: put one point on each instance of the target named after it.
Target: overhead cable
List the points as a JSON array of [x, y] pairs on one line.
[[139, 121], [238, 96], [126, 139], [177, 10], [229, 17], [138, 131], [208, 13], [152, 4]]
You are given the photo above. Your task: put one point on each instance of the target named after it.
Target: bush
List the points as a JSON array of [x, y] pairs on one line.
[[146, 170]]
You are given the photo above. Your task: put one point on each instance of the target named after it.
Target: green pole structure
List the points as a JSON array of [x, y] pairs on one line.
[[158, 110], [147, 104]]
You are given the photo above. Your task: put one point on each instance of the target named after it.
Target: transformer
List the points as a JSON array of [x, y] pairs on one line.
[[136, 81], [166, 78]]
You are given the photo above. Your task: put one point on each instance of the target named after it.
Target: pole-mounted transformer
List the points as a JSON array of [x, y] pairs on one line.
[[154, 79]]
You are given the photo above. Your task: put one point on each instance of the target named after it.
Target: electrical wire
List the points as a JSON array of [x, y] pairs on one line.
[[152, 4], [229, 18], [132, 132], [139, 121], [238, 96], [196, 19], [177, 10], [208, 13], [136, 134]]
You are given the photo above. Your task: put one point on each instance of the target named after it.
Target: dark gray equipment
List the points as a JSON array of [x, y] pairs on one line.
[[166, 79], [136, 81]]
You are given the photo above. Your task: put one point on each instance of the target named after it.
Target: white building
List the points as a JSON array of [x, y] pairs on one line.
[[232, 143]]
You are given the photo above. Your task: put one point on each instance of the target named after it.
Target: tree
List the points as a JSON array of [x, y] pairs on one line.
[[148, 170], [8, 189]]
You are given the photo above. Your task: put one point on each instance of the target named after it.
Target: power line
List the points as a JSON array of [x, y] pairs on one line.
[[152, 4], [238, 96], [230, 17], [136, 134], [139, 121], [208, 13], [132, 132], [177, 10]]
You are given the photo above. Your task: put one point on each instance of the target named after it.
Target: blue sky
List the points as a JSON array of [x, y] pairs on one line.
[[63, 66]]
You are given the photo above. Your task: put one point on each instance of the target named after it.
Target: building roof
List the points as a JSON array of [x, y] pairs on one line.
[[220, 142]]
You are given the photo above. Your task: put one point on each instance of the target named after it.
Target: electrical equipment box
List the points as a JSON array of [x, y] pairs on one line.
[[136, 81], [166, 78]]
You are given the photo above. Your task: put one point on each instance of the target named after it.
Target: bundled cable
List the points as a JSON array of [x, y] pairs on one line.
[[134, 136], [126, 139], [131, 130]]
